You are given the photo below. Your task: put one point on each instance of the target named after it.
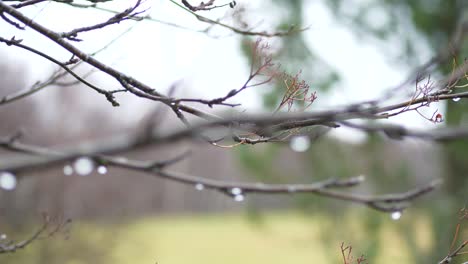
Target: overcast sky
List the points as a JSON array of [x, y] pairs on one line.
[[160, 55]]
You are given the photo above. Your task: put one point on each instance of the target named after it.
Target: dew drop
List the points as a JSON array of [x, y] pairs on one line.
[[3, 236], [396, 215], [236, 191], [121, 159], [361, 178], [102, 169], [456, 99], [83, 166], [300, 143], [292, 189], [67, 170], [239, 198], [7, 181], [199, 187]]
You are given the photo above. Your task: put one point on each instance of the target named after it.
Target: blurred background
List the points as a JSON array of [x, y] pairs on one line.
[[352, 51]]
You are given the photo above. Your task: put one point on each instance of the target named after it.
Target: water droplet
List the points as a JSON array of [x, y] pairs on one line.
[[236, 191], [239, 198], [121, 159], [83, 166], [292, 189], [396, 215], [199, 187], [456, 99], [361, 178], [102, 169], [67, 170], [300, 143], [7, 181], [3, 236]]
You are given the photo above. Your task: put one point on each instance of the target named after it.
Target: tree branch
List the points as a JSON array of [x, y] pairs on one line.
[[384, 203]]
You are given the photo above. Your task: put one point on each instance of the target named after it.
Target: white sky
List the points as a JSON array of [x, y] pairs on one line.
[[159, 55]]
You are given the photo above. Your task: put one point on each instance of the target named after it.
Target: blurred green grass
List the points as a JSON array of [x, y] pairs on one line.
[[276, 237]]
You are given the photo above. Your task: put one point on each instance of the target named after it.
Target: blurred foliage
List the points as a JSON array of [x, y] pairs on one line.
[[260, 162], [434, 23], [401, 28]]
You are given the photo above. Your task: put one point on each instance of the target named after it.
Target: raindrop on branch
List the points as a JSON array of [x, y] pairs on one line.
[[102, 169], [7, 181], [360, 178], [67, 170], [396, 215], [300, 143], [236, 191], [292, 189], [121, 159], [199, 187], [83, 166], [456, 99], [239, 198]]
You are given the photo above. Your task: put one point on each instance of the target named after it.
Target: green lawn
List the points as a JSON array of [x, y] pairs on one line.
[[223, 238]]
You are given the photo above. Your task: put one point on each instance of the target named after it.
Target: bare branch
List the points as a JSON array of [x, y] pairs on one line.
[[108, 94], [206, 6], [348, 258], [27, 3], [56, 76], [399, 132], [10, 246], [291, 31], [385, 203], [127, 14], [128, 82]]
